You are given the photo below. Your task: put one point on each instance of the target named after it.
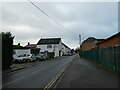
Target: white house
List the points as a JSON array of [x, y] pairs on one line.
[[22, 51], [66, 50], [50, 45], [28, 49]]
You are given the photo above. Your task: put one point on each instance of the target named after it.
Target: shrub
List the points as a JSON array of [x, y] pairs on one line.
[[7, 49]]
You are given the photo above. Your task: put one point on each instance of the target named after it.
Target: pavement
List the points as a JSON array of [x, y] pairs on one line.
[[82, 73], [19, 66]]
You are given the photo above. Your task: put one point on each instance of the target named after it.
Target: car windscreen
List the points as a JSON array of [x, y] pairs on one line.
[[23, 55]]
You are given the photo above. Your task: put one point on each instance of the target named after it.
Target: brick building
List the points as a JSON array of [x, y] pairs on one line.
[[31, 46], [111, 41], [90, 43]]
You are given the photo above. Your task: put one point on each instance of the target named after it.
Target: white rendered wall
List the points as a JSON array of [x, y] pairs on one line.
[[44, 48], [55, 48], [21, 51], [65, 50]]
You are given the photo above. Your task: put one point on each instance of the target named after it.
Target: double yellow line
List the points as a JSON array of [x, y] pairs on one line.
[[51, 83]]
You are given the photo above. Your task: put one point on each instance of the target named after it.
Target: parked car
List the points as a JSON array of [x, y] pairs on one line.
[[41, 57], [25, 58], [70, 54], [16, 59]]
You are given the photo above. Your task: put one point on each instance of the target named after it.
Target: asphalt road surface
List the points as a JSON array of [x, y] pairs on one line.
[[37, 76]]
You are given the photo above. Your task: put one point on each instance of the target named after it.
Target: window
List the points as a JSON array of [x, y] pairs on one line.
[[49, 46], [55, 45]]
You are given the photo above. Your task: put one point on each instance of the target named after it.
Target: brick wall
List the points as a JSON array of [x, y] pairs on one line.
[[88, 46], [112, 42]]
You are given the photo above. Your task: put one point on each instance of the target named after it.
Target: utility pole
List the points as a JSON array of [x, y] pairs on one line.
[[79, 39], [80, 43]]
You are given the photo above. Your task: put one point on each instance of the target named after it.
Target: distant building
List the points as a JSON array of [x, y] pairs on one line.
[[30, 45], [111, 41], [17, 46], [65, 49], [28, 49], [51, 45], [18, 49], [90, 43], [22, 51]]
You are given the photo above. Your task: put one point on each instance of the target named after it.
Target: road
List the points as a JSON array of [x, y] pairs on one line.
[[37, 76]]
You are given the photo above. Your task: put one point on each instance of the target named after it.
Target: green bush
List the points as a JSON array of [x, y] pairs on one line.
[[7, 49]]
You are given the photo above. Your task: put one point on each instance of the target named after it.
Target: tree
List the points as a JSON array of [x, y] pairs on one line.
[[7, 49]]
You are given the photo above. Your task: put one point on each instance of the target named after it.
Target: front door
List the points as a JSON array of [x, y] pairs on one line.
[[59, 53]]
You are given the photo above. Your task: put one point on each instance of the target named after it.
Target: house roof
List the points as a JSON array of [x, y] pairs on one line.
[[118, 34], [49, 41], [31, 45], [90, 39], [100, 39], [65, 45], [19, 47]]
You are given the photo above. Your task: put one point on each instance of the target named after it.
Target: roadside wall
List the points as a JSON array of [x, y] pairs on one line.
[[108, 57], [88, 46]]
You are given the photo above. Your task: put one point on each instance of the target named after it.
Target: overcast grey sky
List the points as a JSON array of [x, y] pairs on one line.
[[90, 19]]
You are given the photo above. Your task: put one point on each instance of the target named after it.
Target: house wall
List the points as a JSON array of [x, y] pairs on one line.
[[88, 46], [112, 42], [21, 51], [55, 48], [65, 50], [44, 48]]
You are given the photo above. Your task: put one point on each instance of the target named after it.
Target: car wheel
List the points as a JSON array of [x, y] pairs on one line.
[[24, 60], [28, 60], [16, 61]]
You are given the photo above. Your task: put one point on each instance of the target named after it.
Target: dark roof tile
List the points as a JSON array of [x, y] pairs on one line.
[[49, 41], [31, 45]]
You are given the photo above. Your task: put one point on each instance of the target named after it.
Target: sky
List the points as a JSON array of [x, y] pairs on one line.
[[89, 19]]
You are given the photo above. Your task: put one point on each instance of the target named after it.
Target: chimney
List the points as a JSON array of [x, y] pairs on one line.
[[19, 44], [28, 43]]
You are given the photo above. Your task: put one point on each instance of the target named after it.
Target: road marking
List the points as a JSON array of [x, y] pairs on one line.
[[13, 81], [56, 77]]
